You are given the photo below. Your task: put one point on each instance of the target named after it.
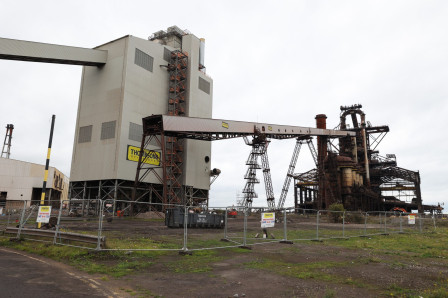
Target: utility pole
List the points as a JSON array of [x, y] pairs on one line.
[[47, 163]]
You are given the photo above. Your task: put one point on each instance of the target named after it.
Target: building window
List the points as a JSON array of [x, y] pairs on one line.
[[204, 85], [143, 60], [108, 130], [85, 134], [135, 132], [166, 55]]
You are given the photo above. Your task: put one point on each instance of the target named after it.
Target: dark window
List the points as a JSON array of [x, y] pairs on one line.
[[166, 55], [85, 134], [143, 60], [108, 130]]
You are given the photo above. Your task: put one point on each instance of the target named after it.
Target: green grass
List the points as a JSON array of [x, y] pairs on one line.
[[399, 251], [198, 262], [428, 245], [315, 270]]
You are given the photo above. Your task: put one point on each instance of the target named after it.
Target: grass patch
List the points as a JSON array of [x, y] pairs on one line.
[[428, 245], [198, 262], [315, 270]]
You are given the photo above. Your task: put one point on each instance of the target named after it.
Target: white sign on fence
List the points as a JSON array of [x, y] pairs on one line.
[[267, 219], [44, 214], [411, 219]]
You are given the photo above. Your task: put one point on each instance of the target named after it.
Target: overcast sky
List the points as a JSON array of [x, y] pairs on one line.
[[278, 62]]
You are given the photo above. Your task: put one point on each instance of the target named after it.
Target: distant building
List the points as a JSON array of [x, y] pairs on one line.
[[20, 180]]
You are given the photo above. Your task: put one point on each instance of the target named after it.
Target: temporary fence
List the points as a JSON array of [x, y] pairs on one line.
[[143, 226]]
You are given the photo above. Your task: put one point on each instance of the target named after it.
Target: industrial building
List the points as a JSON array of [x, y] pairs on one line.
[[20, 180], [122, 82], [165, 158], [354, 173], [136, 82]]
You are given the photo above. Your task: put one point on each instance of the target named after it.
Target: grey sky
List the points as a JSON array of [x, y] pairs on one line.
[[272, 61]]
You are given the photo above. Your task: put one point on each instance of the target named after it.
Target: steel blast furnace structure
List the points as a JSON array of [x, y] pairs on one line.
[[355, 174]]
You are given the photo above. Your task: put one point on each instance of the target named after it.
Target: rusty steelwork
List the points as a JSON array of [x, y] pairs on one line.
[[354, 173], [6, 151], [158, 128]]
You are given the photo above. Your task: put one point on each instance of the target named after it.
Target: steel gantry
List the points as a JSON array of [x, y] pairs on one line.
[[158, 127], [259, 146]]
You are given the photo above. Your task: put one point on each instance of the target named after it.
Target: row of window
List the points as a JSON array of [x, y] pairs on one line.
[[147, 62], [108, 132]]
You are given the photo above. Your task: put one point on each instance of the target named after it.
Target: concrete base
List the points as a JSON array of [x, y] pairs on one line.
[[286, 242], [185, 252]]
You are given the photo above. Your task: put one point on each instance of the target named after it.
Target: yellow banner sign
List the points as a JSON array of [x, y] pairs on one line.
[[150, 157]]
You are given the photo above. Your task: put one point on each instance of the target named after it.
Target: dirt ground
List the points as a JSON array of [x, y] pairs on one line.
[[302, 269], [229, 277]]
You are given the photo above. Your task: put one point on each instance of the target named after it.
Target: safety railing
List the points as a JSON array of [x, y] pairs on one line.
[[142, 226]]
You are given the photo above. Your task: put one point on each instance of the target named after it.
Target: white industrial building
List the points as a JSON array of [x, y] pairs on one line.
[[20, 180], [133, 84]]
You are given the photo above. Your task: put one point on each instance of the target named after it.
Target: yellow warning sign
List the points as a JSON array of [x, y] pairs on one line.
[[150, 157], [225, 124]]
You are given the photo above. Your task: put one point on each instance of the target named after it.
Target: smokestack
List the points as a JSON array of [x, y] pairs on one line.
[[321, 122]]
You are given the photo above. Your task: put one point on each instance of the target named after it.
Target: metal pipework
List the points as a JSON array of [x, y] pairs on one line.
[[364, 140]]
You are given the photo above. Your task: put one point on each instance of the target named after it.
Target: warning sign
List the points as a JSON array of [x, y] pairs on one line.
[[411, 219], [44, 214], [267, 219], [150, 157]]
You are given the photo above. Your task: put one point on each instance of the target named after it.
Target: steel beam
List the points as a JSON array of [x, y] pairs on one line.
[[215, 129], [12, 49]]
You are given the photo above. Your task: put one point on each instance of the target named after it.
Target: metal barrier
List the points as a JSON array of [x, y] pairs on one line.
[[133, 225]]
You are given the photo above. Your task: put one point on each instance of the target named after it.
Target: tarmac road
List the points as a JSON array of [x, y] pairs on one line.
[[23, 275]]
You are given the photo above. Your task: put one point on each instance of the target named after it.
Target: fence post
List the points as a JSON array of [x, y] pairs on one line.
[[57, 225], [285, 237], [343, 224], [9, 218], [420, 222], [381, 221], [401, 224], [225, 224], [365, 223], [385, 222], [21, 220], [100, 225], [184, 248], [434, 221], [317, 225], [245, 226]]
